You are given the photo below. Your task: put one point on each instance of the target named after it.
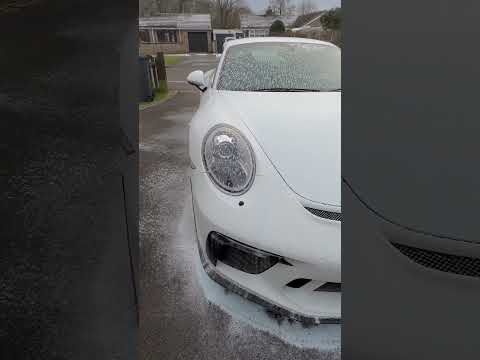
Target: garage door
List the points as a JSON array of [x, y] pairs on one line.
[[221, 41], [198, 42]]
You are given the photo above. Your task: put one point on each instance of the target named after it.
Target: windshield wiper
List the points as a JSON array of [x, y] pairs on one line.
[[335, 90], [287, 90]]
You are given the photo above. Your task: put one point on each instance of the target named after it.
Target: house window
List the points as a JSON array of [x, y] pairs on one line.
[[144, 36], [261, 32], [256, 33], [166, 36]]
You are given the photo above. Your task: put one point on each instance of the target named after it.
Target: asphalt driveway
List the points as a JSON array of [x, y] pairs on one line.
[[184, 314], [178, 73]]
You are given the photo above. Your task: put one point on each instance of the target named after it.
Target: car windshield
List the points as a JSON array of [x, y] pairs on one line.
[[275, 66]]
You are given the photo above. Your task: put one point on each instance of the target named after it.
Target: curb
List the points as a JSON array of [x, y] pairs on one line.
[[170, 95]]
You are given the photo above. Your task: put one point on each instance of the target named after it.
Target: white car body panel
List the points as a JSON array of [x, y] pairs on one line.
[[301, 137], [295, 139]]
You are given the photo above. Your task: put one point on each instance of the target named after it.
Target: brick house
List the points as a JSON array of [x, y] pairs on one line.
[[176, 33]]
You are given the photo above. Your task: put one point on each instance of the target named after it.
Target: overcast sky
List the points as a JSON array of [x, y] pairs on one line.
[[258, 6]]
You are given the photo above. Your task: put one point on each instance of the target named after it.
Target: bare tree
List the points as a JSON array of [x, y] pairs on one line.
[[282, 7], [244, 8], [226, 13], [147, 7], [307, 7], [194, 6], [223, 11], [155, 7]]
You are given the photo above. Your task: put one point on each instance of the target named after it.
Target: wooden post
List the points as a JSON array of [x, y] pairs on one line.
[[161, 71]]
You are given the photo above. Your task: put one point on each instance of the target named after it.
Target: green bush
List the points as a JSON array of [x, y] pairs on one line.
[[278, 27], [332, 19]]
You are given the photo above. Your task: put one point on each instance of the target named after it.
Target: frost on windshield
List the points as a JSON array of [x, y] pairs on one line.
[[263, 66]]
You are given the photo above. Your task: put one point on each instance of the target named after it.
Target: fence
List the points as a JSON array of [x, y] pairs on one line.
[[153, 76], [333, 36]]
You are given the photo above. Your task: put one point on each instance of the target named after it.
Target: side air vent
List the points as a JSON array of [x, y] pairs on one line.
[[460, 265], [326, 214], [330, 287], [298, 283]]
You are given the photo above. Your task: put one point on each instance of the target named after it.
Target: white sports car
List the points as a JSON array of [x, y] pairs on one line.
[[266, 176]]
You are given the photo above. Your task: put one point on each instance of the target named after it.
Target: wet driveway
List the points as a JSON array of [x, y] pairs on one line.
[[184, 314]]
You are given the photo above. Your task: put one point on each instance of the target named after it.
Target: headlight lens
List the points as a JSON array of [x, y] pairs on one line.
[[228, 159]]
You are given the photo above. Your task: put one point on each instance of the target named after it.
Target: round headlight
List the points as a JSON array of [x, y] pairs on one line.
[[228, 159]]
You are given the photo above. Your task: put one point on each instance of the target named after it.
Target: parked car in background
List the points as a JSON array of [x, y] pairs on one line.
[[265, 174]]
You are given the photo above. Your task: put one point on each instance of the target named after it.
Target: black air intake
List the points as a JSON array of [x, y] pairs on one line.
[[237, 255]]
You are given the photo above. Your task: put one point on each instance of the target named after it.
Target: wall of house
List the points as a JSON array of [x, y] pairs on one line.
[[181, 47], [255, 32], [177, 48]]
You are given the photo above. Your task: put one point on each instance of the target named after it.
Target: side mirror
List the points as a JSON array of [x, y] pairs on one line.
[[197, 79]]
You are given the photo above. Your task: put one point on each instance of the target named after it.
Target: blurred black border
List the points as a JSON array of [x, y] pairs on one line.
[[69, 179], [410, 148], [69, 176]]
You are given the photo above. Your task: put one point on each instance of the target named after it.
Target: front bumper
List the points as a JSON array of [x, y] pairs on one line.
[[273, 220], [397, 300]]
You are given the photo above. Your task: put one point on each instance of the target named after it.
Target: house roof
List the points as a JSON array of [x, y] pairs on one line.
[[316, 23], [178, 21], [271, 39], [312, 19], [259, 21]]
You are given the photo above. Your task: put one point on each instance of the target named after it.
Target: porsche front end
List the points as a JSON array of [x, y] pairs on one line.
[[267, 246], [265, 179]]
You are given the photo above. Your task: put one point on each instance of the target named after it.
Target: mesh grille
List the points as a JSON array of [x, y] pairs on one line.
[[455, 264], [326, 214]]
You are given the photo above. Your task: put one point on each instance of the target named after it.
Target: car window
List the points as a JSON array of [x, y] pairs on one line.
[[261, 66]]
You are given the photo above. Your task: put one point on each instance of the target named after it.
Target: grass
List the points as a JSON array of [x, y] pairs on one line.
[[159, 95], [162, 92], [171, 60]]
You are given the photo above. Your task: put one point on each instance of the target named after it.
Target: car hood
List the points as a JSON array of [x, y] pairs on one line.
[[301, 135], [419, 172]]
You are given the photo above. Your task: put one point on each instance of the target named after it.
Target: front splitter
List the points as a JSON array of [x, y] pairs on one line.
[[272, 309]]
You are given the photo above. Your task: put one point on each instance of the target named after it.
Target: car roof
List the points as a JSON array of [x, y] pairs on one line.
[[270, 39]]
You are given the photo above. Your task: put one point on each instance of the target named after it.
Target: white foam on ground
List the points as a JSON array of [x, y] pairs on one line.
[[246, 314]]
